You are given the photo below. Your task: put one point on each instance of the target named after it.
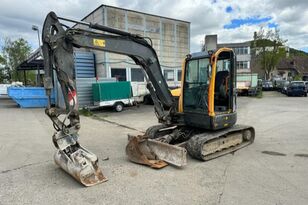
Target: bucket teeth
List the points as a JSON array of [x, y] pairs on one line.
[[82, 165]]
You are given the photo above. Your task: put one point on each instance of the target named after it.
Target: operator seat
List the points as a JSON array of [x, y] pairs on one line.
[[221, 92]]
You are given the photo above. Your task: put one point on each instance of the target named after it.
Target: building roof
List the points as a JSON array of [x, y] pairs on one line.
[[298, 63], [31, 65], [33, 62], [114, 7]]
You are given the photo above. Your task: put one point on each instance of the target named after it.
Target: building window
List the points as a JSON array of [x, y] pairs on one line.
[[241, 51], [119, 74], [137, 75], [179, 75], [242, 64], [169, 75]]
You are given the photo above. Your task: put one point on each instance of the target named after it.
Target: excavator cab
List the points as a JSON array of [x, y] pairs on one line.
[[205, 127], [208, 99]]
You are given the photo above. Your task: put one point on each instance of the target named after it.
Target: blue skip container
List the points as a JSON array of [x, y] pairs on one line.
[[30, 97]]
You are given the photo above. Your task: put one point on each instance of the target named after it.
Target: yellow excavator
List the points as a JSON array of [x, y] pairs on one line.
[[202, 122]]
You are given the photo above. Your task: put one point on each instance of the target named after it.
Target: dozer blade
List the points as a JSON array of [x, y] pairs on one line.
[[82, 165], [210, 145], [154, 153]]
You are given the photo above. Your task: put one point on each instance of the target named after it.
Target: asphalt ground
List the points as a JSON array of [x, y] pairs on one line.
[[273, 170]]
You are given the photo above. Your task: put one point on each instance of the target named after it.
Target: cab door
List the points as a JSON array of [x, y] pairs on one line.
[[195, 92]]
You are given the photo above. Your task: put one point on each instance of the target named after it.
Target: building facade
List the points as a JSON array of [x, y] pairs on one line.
[[290, 68], [242, 51], [170, 38], [243, 55]]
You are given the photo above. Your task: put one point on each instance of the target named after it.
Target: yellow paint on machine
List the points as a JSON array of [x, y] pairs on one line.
[[99, 42], [180, 106], [176, 92], [214, 59]]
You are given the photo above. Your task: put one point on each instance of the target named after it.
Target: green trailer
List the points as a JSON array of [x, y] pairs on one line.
[[112, 94]]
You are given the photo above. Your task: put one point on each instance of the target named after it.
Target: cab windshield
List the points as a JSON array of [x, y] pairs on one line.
[[196, 84]]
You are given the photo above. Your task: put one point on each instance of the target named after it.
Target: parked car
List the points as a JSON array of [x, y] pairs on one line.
[[267, 85], [285, 87], [297, 88], [278, 85], [306, 84]]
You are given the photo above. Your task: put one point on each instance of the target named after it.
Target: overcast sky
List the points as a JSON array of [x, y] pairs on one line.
[[233, 21]]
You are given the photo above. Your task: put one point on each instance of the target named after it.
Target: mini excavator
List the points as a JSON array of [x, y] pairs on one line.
[[202, 122]]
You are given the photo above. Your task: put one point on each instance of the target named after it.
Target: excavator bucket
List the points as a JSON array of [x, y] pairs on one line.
[[153, 153], [82, 165]]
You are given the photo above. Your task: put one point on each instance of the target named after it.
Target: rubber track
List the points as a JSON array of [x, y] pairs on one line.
[[195, 144]]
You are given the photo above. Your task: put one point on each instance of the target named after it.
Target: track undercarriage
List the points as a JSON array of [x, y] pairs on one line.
[[162, 145]]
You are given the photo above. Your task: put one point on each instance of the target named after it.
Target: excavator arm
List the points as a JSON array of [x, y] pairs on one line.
[[58, 54], [58, 43]]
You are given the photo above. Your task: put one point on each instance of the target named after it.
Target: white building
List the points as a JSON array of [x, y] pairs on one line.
[[170, 39], [242, 51], [243, 55]]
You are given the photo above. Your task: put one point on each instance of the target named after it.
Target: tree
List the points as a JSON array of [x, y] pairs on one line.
[[14, 53], [2, 69], [2, 60], [269, 49]]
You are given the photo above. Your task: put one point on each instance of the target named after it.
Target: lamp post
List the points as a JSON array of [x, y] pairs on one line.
[[38, 78], [35, 28]]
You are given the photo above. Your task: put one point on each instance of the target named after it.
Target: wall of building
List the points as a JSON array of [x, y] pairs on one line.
[[282, 74], [170, 39], [243, 55]]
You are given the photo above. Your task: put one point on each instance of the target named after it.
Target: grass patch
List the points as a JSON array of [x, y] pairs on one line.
[[94, 115], [259, 94], [85, 112]]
